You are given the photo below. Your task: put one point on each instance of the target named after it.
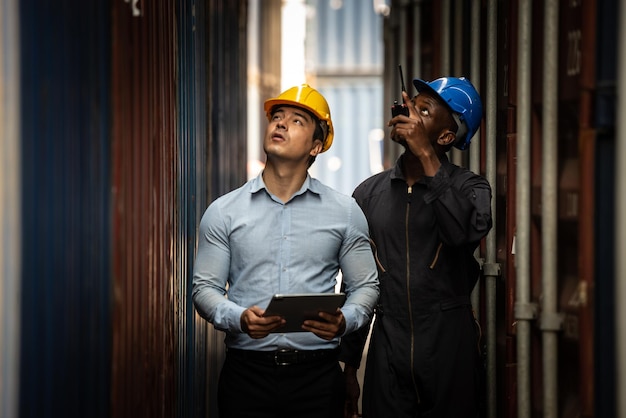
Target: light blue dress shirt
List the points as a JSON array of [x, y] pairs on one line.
[[252, 246]]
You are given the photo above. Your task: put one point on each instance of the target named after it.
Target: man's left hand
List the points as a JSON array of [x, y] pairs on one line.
[[329, 327]]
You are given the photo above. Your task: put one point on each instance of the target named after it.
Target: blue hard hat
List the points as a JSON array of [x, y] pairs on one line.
[[464, 101]]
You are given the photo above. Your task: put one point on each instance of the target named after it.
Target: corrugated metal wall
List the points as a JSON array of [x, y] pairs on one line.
[[10, 212], [178, 143], [423, 34], [576, 36], [211, 162], [607, 385], [144, 142], [191, 163], [133, 120], [226, 24], [226, 154], [345, 63], [65, 283]]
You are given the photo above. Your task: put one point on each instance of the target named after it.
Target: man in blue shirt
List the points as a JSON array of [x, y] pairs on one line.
[[284, 232]]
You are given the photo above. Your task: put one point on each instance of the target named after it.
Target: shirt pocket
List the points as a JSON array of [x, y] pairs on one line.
[[435, 257]]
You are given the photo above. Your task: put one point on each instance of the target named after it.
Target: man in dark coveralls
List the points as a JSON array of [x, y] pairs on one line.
[[426, 217]]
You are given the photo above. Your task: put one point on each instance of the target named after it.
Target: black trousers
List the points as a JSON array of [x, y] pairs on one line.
[[261, 389], [444, 363]]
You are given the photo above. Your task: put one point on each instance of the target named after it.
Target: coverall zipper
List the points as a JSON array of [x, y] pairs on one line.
[[408, 289]]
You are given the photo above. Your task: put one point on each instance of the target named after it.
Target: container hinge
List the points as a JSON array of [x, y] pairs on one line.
[[134, 7], [551, 321], [526, 311], [492, 269]]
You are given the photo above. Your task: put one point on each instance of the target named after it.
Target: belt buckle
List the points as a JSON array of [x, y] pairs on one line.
[[285, 357]]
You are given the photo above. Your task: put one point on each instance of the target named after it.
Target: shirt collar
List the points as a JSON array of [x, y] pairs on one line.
[[258, 184], [398, 173]]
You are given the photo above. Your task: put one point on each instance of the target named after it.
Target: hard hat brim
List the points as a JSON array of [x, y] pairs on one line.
[[421, 86], [272, 103]]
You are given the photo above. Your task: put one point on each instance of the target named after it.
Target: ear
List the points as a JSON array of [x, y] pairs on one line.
[[317, 147], [446, 137]]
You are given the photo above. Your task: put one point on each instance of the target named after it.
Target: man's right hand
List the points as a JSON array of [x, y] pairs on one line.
[[353, 391], [256, 325]]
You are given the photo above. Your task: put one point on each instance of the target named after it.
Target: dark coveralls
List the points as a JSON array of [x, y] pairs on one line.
[[423, 360]]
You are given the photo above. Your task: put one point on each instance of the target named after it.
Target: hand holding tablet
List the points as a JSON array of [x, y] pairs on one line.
[[297, 308]]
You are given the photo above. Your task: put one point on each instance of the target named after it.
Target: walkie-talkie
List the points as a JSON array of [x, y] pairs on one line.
[[400, 108]]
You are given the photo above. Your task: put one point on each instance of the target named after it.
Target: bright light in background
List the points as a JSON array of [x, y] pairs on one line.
[[375, 141], [253, 146], [254, 168], [382, 7], [293, 27], [341, 167], [336, 4], [334, 163], [293, 34]]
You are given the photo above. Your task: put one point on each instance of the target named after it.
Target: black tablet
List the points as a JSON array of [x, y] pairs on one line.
[[296, 308]]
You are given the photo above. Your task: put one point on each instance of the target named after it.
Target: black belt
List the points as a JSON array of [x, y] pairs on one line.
[[284, 357]]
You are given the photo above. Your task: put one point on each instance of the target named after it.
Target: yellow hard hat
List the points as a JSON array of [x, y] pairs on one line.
[[308, 98]]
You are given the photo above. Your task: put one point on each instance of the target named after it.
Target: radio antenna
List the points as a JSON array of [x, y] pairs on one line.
[[401, 77]]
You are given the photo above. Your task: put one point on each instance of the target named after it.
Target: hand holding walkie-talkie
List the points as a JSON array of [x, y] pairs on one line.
[[397, 108]]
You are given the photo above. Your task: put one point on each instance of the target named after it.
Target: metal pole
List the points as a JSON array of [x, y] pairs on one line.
[[474, 150], [474, 75], [523, 309], [620, 221], [550, 320], [417, 42], [491, 269], [445, 37], [10, 238], [445, 25]]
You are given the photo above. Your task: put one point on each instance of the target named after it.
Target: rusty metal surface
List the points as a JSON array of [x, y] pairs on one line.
[[578, 64], [144, 137], [132, 121], [178, 142]]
